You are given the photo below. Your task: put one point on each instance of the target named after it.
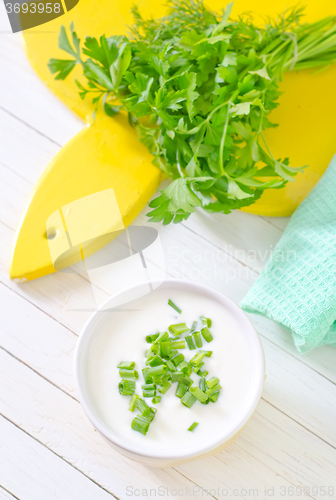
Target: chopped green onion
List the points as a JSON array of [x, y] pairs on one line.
[[201, 384], [165, 378], [190, 342], [197, 359], [198, 339], [155, 361], [150, 338], [206, 321], [178, 344], [128, 373], [206, 334], [140, 425], [156, 400], [200, 395], [128, 365], [212, 382], [214, 397], [171, 366], [203, 373], [148, 390], [177, 309], [193, 327], [147, 378], [172, 354], [177, 359], [127, 387], [164, 387], [161, 337], [213, 390], [178, 329], [188, 399], [141, 405], [157, 370], [152, 351], [197, 369], [185, 367], [186, 380], [177, 375], [166, 347], [207, 353], [181, 389], [132, 403], [192, 427], [149, 415]]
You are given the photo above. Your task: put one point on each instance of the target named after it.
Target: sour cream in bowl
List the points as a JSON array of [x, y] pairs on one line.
[[117, 332]]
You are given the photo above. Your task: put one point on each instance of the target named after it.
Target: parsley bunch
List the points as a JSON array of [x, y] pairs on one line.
[[206, 84]]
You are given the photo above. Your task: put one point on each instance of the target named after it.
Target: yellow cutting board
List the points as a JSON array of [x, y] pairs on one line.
[[305, 134]]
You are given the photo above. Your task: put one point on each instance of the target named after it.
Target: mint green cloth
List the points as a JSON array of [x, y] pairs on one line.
[[297, 287]]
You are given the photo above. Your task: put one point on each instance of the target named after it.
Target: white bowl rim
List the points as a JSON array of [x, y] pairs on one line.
[[107, 432]]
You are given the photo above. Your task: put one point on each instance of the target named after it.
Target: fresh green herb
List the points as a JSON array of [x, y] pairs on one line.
[[156, 400], [188, 399], [190, 342], [206, 334], [181, 389], [140, 425], [193, 426], [124, 373], [198, 339], [208, 83], [206, 321], [148, 390], [178, 329], [127, 387], [150, 338], [177, 309], [128, 365]]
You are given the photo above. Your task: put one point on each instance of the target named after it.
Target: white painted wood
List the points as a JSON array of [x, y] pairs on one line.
[[5, 495], [30, 471], [286, 442]]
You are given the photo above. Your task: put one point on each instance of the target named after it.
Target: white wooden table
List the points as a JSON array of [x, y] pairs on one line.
[[49, 450]]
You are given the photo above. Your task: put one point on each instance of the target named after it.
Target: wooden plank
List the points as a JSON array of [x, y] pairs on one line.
[[23, 94], [32, 472], [58, 420]]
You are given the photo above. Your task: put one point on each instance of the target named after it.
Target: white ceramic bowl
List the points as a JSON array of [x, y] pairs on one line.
[[159, 458]]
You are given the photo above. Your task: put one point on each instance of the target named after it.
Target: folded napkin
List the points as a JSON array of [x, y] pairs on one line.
[[297, 287]]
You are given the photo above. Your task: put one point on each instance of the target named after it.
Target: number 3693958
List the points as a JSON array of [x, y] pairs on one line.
[[33, 8]]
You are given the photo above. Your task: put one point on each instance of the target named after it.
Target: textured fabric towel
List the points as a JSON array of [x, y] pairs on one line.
[[297, 287]]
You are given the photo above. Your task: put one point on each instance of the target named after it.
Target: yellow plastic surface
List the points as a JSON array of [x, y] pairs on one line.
[[306, 133], [104, 156]]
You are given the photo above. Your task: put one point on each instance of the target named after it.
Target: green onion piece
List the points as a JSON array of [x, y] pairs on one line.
[[207, 353], [155, 361], [188, 399], [165, 378], [203, 373], [193, 327], [149, 415], [171, 366], [178, 344], [177, 309], [141, 405], [140, 425], [164, 387], [198, 339], [214, 397], [201, 384], [157, 379], [153, 350], [181, 389], [132, 403], [150, 338], [128, 373], [147, 378], [192, 427], [176, 376], [186, 380], [172, 354], [190, 342], [177, 359], [127, 387], [161, 337], [128, 365], [165, 347], [200, 395], [156, 400], [213, 390], [157, 370], [178, 329], [185, 367], [206, 334], [197, 359], [212, 382], [206, 321], [148, 390], [197, 369]]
